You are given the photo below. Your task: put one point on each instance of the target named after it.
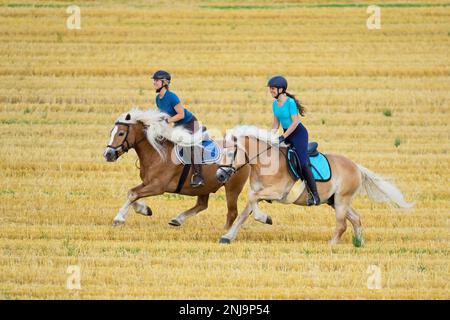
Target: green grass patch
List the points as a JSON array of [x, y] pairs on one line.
[[240, 7], [7, 192], [43, 121], [322, 5], [381, 5], [42, 5], [173, 196], [77, 193], [421, 268], [357, 242], [59, 37], [122, 251], [72, 249], [387, 113], [43, 236]]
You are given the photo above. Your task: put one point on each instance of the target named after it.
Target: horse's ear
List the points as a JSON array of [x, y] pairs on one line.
[[128, 117]]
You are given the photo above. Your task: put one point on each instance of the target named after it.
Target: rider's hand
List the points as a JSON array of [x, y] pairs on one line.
[[281, 139]]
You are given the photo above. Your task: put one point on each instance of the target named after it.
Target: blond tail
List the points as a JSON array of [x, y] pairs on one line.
[[379, 190]]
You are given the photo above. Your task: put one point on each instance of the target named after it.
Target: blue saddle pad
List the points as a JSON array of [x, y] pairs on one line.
[[320, 167], [211, 153]]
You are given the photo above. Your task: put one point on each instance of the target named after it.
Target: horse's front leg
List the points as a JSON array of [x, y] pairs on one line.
[[121, 216], [232, 232], [134, 194], [142, 208], [265, 194]]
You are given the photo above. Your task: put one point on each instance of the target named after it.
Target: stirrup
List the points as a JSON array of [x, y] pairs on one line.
[[201, 183]]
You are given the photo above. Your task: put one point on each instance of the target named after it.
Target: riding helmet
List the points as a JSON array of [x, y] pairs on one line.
[[162, 75], [278, 82]]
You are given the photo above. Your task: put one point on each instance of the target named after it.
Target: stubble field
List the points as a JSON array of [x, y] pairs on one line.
[[379, 97]]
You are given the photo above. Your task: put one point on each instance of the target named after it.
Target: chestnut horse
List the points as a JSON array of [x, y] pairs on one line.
[[153, 140], [271, 181]]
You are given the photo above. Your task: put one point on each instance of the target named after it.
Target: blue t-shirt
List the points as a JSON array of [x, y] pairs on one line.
[[167, 105], [284, 113]]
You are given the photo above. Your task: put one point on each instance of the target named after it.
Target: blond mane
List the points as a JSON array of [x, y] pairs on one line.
[[156, 129]]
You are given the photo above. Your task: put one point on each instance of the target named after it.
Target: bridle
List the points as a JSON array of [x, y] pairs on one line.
[[227, 170], [125, 145]]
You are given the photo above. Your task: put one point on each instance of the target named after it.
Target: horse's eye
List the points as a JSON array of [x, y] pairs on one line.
[[121, 134]]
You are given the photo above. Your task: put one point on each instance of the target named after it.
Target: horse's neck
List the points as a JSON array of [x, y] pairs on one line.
[[149, 157], [257, 150]]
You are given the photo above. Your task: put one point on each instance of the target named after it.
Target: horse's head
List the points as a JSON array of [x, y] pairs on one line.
[[124, 135], [233, 158], [246, 145]]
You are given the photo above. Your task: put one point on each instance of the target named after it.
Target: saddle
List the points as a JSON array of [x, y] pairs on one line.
[[210, 153], [320, 166]]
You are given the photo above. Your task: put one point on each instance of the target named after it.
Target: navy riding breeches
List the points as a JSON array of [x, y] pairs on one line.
[[299, 139]]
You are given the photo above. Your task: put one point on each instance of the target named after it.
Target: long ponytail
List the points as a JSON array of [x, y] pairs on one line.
[[300, 107]]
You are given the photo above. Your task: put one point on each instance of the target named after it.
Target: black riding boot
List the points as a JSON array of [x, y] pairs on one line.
[[313, 198]]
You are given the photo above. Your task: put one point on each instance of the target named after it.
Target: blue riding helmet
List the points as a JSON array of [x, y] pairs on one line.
[[162, 75], [278, 82]]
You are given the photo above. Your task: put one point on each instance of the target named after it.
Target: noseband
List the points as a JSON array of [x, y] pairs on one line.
[[125, 145]]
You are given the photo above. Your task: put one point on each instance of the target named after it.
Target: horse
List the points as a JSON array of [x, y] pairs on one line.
[[153, 139], [270, 180]]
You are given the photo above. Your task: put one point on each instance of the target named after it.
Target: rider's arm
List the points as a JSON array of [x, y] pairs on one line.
[[275, 125], [292, 127], [180, 113]]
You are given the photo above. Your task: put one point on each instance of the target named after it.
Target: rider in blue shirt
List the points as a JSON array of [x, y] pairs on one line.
[[168, 102], [287, 110]]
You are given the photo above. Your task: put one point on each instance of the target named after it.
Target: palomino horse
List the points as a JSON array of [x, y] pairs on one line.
[[153, 140], [271, 181]]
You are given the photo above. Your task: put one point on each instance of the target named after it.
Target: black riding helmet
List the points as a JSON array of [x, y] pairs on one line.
[[279, 82], [162, 75]]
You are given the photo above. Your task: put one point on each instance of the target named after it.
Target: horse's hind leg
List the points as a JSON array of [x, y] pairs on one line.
[[202, 204], [341, 206], [355, 219]]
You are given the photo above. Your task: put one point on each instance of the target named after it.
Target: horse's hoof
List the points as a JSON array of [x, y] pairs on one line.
[[174, 223], [149, 211], [118, 223], [224, 241], [269, 220]]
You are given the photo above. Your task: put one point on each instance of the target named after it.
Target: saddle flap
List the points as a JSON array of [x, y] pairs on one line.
[[210, 153], [293, 163], [319, 163]]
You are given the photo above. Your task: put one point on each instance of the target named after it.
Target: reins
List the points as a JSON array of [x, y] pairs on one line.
[[247, 159]]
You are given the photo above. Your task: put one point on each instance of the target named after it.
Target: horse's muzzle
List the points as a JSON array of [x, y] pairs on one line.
[[110, 154], [223, 174]]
